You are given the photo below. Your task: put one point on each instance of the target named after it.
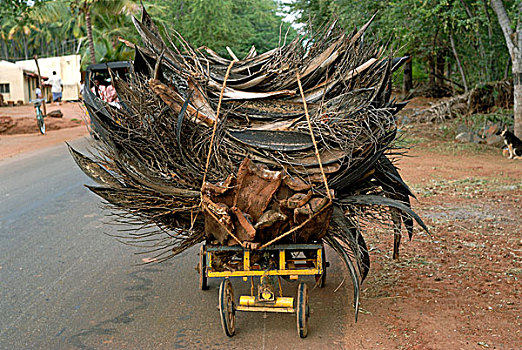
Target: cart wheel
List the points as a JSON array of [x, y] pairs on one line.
[[202, 267], [303, 310], [227, 308], [320, 280]]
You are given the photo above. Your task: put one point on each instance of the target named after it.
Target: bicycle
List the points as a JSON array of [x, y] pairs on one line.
[[39, 115]]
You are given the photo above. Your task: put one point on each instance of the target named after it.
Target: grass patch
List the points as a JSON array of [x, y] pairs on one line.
[[407, 142], [455, 149], [467, 187], [475, 123], [479, 121]]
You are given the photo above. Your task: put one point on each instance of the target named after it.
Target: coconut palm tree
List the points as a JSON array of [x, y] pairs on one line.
[[110, 15], [22, 29], [57, 25], [83, 8]]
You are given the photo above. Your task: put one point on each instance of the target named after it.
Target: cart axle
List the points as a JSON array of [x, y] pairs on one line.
[[280, 302], [266, 309]]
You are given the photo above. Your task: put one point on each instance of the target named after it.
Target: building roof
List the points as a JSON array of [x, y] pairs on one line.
[[32, 74]]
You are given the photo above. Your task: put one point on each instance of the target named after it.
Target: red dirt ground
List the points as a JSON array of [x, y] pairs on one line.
[[22, 132], [459, 288]]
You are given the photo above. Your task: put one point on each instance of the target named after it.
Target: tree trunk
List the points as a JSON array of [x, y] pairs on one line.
[[515, 51], [26, 55], [431, 70], [482, 51], [517, 93], [449, 70], [459, 65], [432, 59], [407, 77], [505, 24], [439, 66], [40, 84], [506, 70], [490, 27], [89, 34], [4, 50], [490, 57], [4, 47]]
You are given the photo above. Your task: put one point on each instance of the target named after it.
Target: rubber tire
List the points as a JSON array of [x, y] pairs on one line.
[[41, 122], [320, 280], [203, 279], [227, 309], [302, 310]]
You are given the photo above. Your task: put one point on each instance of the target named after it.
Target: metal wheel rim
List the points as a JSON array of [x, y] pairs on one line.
[[227, 308], [41, 124], [303, 311], [203, 283], [231, 314]]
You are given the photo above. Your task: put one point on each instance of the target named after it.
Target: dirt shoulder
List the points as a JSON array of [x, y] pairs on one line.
[[20, 133], [459, 288]]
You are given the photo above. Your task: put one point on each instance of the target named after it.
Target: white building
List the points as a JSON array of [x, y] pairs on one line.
[[18, 80], [16, 83], [67, 68]]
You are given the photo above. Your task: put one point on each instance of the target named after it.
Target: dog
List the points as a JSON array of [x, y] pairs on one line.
[[513, 143]]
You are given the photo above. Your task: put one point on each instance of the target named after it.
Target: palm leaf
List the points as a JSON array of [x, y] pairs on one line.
[[382, 201]]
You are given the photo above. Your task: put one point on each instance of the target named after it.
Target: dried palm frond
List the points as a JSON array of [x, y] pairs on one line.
[[152, 151]]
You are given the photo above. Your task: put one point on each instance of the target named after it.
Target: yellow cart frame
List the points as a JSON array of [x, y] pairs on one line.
[[310, 263]]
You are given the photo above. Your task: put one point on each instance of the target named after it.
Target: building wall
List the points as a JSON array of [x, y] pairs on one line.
[[67, 67], [30, 84], [14, 76]]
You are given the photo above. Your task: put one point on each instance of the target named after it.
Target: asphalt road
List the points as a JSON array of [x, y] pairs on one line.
[[64, 284]]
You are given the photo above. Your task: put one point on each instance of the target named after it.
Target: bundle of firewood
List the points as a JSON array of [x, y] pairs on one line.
[[291, 145], [481, 99]]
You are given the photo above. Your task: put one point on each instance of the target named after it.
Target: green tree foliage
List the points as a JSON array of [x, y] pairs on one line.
[[425, 29], [238, 24], [16, 27], [12, 9], [57, 27], [105, 21]]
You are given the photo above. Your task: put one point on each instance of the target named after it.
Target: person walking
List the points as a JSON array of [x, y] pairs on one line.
[[56, 87]]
